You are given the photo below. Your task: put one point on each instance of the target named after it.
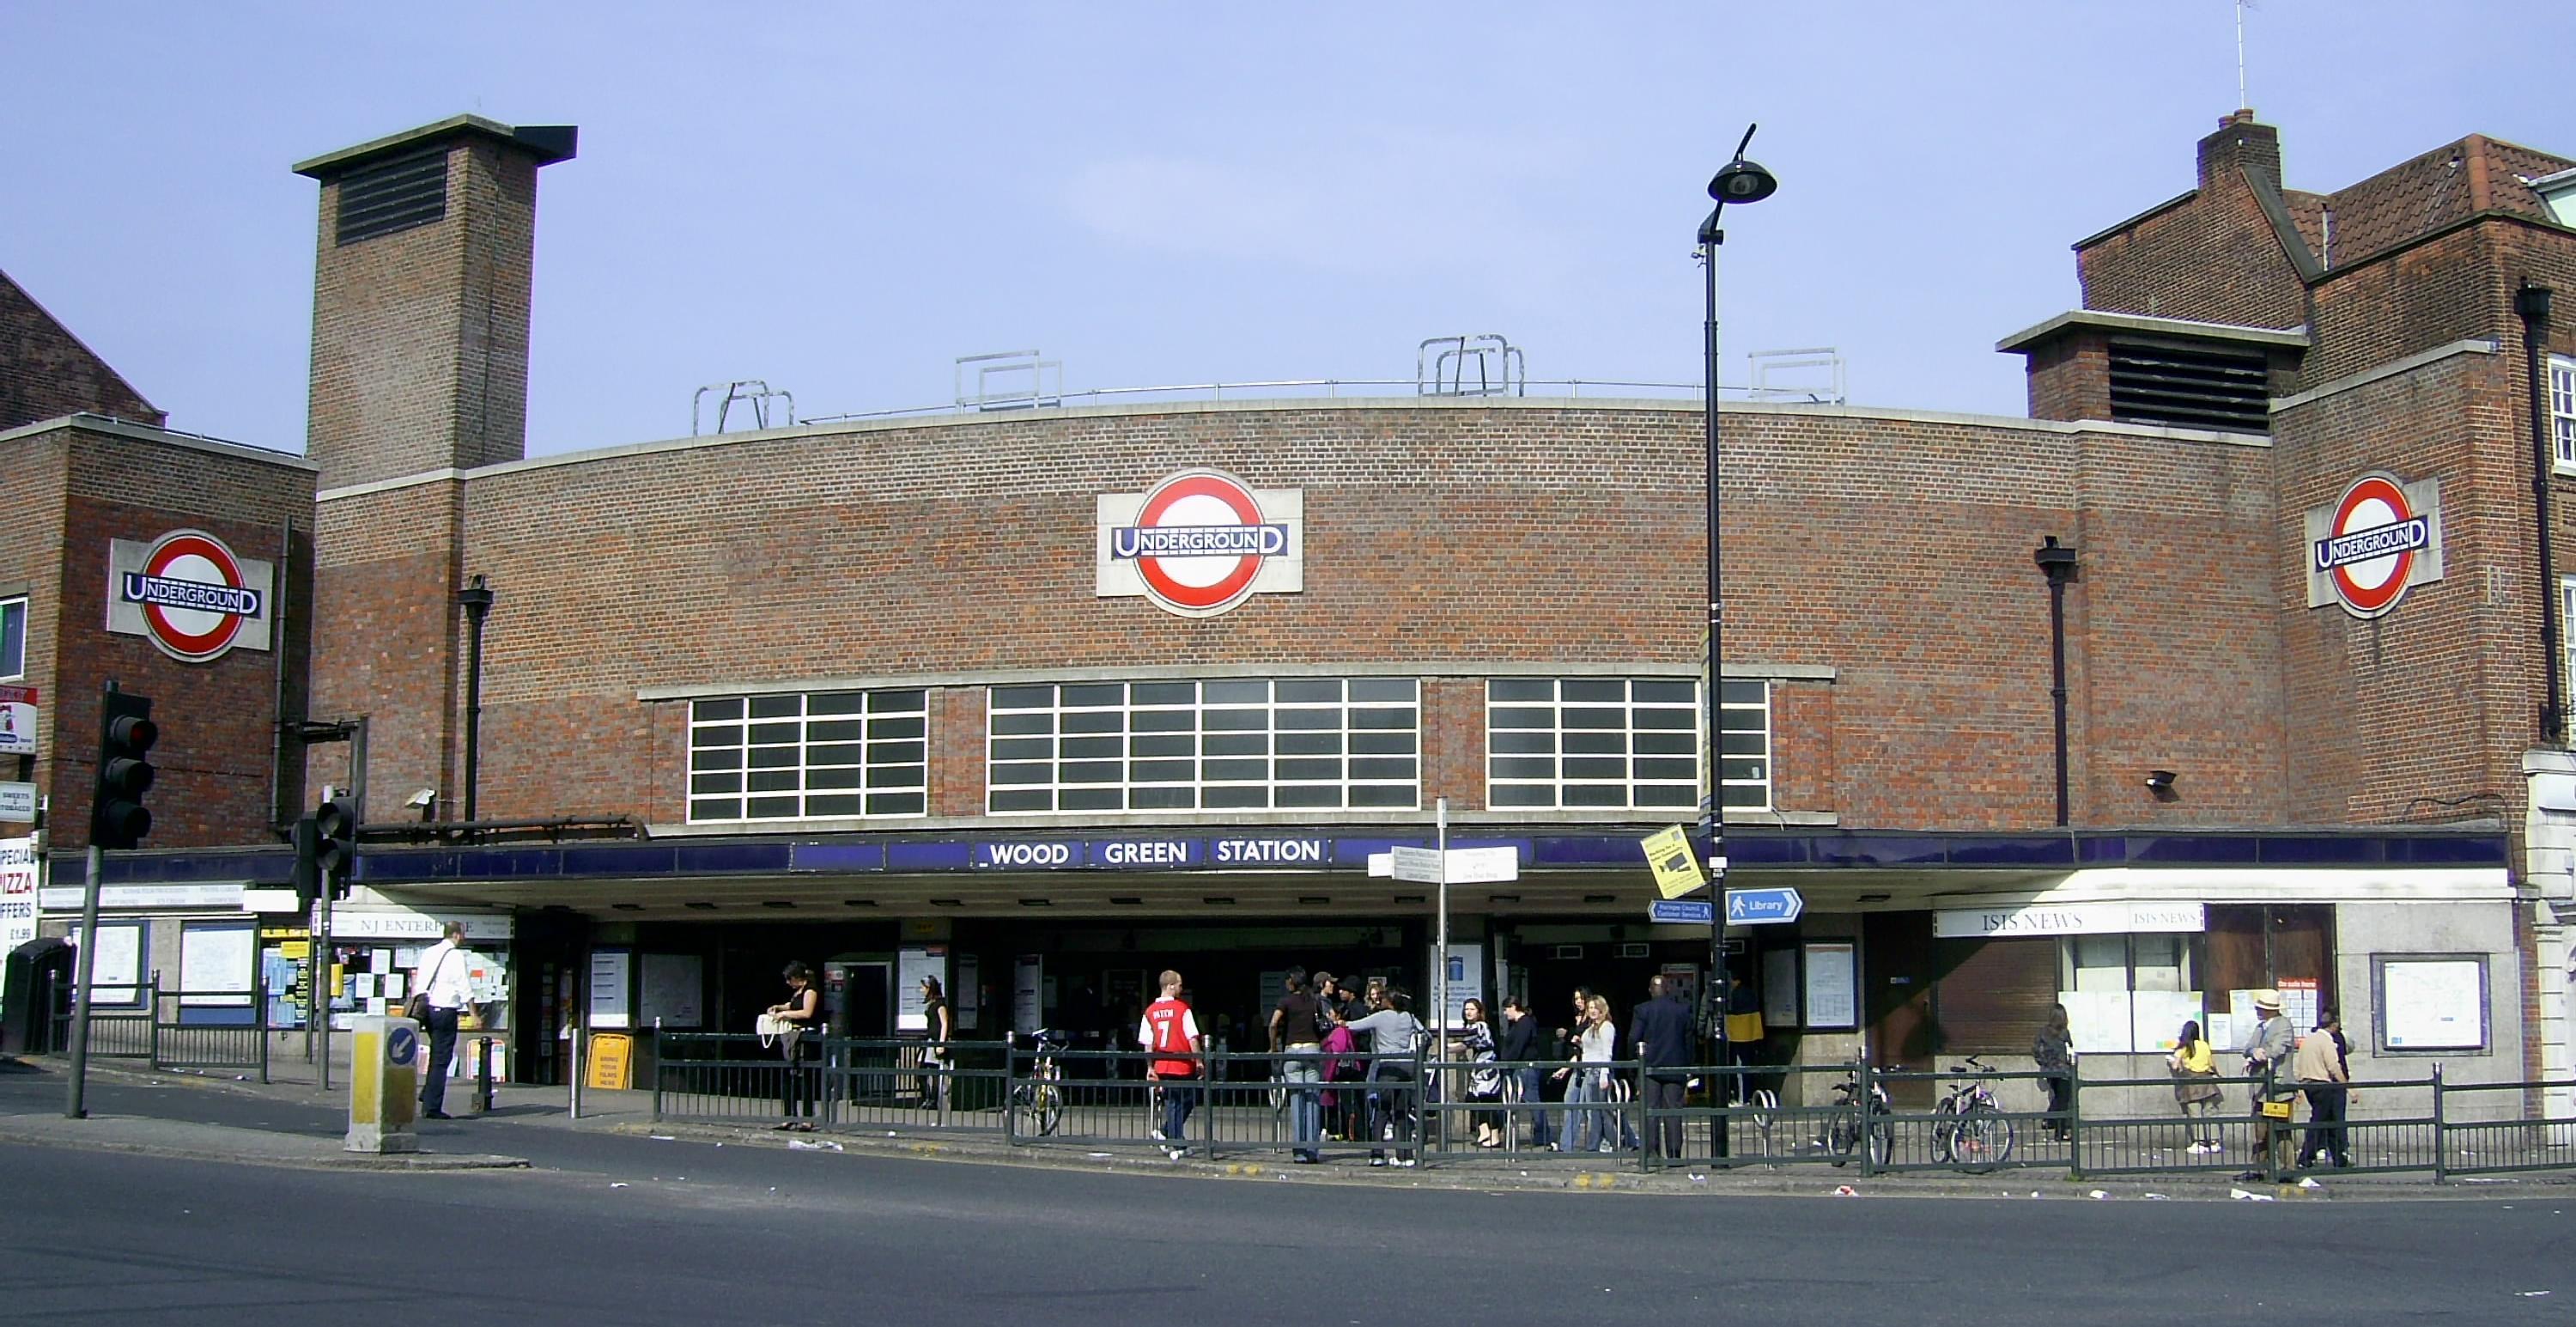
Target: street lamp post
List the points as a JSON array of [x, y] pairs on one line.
[[2056, 561], [1739, 181], [476, 600]]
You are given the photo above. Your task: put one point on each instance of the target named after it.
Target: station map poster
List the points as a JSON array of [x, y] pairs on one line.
[[911, 964], [1833, 985], [116, 971], [2432, 1002], [609, 984]]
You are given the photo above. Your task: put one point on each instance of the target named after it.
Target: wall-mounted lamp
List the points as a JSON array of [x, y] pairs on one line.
[[2161, 783]]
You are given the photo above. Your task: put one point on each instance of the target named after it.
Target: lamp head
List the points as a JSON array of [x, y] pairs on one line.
[[2056, 561], [1742, 181], [475, 598]]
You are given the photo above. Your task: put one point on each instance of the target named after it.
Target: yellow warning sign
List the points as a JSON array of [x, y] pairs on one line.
[[1668, 850], [611, 1068]]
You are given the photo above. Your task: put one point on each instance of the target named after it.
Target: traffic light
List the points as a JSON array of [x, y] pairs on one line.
[[334, 846], [117, 816], [307, 877], [323, 851]]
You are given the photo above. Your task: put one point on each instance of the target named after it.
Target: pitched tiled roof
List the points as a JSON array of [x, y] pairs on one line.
[[2451, 182]]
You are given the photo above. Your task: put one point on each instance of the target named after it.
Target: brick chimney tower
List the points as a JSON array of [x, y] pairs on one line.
[[420, 298], [420, 369]]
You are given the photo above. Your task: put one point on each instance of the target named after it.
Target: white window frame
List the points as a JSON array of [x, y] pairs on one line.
[[1165, 745], [12, 669], [2562, 410], [1633, 764], [749, 740]]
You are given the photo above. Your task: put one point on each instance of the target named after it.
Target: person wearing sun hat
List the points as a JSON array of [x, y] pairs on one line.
[[2267, 1055]]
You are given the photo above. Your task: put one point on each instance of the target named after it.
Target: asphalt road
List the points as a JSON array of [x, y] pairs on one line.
[[634, 1230]]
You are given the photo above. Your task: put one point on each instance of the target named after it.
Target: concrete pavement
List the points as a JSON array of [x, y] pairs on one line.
[[303, 1131]]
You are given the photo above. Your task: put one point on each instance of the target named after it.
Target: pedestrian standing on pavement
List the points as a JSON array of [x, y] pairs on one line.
[[442, 979], [1393, 1033], [1296, 1033], [2054, 1052], [943, 1027], [2195, 1073], [1660, 1029], [1525, 1081], [1596, 1044], [1474, 1043], [2267, 1056], [1171, 1032], [2319, 1067], [799, 1013]]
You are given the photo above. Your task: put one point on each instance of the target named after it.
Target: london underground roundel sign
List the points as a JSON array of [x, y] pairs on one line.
[[2371, 546], [1198, 542], [192, 595]]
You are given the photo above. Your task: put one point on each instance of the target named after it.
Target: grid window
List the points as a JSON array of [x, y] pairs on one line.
[[1621, 743], [2567, 619], [808, 756], [2562, 408], [13, 637], [2128, 993], [1219, 744]]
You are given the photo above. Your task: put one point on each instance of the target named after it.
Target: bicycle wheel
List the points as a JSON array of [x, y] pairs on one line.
[[1047, 1105], [1882, 1145], [1985, 1136], [1842, 1134], [1945, 1131]]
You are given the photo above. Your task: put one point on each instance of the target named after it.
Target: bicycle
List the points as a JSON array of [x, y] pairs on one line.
[[1039, 1103], [1969, 1126], [1842, 1128]]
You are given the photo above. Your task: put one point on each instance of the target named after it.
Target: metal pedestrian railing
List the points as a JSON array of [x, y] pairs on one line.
[[1854, 1117], [179, 1029]]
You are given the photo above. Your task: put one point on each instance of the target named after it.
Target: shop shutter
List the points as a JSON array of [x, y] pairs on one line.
[[1993, 996]]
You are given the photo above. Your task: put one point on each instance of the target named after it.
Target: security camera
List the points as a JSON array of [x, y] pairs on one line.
[[422, 798]]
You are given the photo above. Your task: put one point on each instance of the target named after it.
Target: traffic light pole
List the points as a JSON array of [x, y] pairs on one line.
[[84, 975], [321, 980]]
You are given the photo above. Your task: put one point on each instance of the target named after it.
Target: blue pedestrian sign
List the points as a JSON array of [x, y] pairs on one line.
[[1686, 911], [1757, 907]]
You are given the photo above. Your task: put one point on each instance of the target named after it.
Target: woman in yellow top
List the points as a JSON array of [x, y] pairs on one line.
[[2195, 1071]]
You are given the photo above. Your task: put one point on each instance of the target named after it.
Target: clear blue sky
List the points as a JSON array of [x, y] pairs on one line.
[[842, 198]]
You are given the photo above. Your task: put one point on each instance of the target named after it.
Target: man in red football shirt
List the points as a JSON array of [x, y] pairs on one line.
[[1171, 1032]]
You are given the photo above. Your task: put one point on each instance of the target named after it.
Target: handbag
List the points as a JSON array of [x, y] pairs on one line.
[[417, 1007], [2277, 1110]]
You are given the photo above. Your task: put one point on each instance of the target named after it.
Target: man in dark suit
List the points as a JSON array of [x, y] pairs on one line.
[[1661, 1030]]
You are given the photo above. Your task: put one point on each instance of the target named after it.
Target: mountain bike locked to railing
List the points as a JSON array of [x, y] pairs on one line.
[[1843, 1126], [1969, 1127], [1038, 1104]]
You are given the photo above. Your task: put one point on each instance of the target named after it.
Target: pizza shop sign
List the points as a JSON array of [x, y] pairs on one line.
[[2381, 537]]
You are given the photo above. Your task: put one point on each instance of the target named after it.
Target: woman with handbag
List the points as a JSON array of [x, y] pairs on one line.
[[789, 1020], [2195, 1073]]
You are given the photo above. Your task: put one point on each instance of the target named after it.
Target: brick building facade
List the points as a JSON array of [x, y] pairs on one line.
[[2319, 793]]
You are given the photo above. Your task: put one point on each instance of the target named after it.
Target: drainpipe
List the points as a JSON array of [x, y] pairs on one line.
[[2532, 303]]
